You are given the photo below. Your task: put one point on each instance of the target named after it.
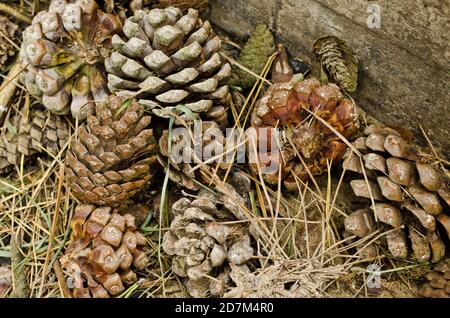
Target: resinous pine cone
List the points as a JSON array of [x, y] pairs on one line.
[[203, 246], [105, 252], [37, 132], [64, 49], [113, 156], [410, 195], [288, 107], [437, 283], [169, 59], [212, 145]]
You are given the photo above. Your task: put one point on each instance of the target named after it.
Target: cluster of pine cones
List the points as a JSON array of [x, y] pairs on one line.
[[105, 85]]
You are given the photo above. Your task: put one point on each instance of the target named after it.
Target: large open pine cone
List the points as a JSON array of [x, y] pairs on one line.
[[64, 49], [113, 156], [38, 132], [301, 136], [170, 59], [406, 192], [105, 251], [203, 246], [438, 281]]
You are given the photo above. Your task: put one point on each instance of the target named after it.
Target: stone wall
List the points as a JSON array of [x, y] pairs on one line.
[[404, 75]]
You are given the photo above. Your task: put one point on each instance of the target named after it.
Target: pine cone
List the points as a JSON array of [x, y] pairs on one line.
[[8, 35], [39, 132], [406, 192], [64, 49], [105, 251], [254, 56], [5, 280], [338, 60], [301, 134], [184, 157], [438, 281], [112, 158], [201, 245], [170, 59]]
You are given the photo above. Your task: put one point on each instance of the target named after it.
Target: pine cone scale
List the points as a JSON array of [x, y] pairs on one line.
[[101, 164]]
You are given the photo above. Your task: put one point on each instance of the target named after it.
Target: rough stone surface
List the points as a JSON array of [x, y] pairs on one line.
[[404, 78]]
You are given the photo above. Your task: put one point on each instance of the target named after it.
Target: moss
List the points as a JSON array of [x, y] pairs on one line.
[[254, 55]]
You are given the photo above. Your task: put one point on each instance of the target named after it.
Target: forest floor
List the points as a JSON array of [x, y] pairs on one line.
[[301, 250]]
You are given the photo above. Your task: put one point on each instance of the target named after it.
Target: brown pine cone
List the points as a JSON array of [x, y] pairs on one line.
[[438, 281], [8, 36], [285, 106], [169, 59], [183, 157], [184, 4], [64, 49], [410, 195], [105, 251], [39, 132], [113, 156], [202, 246]]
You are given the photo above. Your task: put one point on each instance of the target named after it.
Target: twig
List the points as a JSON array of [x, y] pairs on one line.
[[16, 14], [8, 89], [61, 280]]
